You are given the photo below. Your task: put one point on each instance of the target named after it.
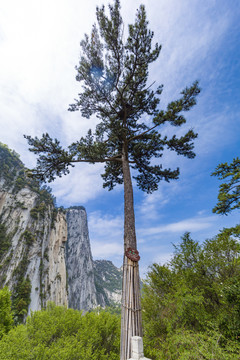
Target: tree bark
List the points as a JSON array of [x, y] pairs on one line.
[[131, 320], [129, 217]]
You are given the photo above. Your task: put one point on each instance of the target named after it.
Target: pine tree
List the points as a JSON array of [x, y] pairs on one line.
[[229, 191], [114, 86]]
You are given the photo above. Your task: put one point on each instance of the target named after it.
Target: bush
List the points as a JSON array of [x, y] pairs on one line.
[[193, 301], [63, 334], [6, 317]]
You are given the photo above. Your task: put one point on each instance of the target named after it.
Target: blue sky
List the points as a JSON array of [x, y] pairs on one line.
[[39, 47]]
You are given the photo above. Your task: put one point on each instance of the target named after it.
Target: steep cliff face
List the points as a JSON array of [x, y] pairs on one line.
[[90, 283], [36, 249], [32, 239], [56, 280], [80, 270], [43, 249]]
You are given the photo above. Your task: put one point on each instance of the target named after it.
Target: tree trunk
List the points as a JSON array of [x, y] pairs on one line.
[[129, 217], [131, 321]]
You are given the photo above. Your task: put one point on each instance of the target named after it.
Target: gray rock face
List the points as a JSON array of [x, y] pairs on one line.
[[45, 254], [79, 263], [36, 248], [108, 280], [32, 239]]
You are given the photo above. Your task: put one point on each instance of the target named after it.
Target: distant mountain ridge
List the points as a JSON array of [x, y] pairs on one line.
[[45, 252], [108, 281]]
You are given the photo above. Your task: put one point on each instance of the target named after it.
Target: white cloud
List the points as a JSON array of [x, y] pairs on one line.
[[106, 250], [106, 226], [198, 30], [149, 208], [106, 234], [39, 50], [216, 130], [82, 184], [163, 257], [191, 224]]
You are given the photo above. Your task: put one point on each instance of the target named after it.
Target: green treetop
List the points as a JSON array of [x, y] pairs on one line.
[[229, 191], [114, 75]]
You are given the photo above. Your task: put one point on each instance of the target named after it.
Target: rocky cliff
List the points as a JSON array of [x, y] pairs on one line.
[[45, 253], [81, 283], [90, 283], [32, 239], [108, 282]]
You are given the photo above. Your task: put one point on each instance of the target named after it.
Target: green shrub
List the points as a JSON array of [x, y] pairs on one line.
[[193, 301], [6, 316], [63, 334]]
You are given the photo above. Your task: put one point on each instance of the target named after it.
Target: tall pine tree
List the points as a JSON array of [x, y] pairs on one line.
[[113, 74]]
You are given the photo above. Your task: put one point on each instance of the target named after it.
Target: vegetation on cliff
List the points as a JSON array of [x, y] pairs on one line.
[[13, 179], [14, 176], [5, 241]]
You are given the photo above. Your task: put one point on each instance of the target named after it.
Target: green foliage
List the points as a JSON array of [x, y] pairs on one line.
[[21, 292], [20, 205], [193, 302], [45, 255], [28, 236], [114, 309], [189, 345], [6, 316], [54, 215], [229, 191], [5, 241], [10, 164], [21, 299], [15, 175], [38, 210], [114, 86], [79, 207], [63, 334], [19, 182]]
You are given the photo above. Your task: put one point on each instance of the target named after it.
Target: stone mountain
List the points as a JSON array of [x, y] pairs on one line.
[[45, 252]]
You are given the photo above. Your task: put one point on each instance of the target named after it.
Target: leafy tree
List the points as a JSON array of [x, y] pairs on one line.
[[229, 191], [6, 316], [196, 294], [189, 345], [63, 334], [114, 86]]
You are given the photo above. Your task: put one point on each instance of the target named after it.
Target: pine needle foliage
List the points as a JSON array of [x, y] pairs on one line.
[[229, 190], [114, 86]]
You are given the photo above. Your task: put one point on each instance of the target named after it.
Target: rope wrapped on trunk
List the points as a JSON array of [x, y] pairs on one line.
[[131, 306]]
